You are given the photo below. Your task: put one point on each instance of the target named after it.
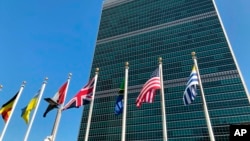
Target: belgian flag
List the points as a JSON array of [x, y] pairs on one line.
[[6, 108]]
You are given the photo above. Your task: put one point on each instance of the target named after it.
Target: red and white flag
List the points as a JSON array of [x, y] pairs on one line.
[[58, 99], [84, 96], [148, 91]]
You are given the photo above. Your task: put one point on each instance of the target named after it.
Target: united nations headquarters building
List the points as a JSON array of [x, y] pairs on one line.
[[141, 31]]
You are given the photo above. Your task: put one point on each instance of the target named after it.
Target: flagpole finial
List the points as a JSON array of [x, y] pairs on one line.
[[23, 84], [1, 86], [97, 70], [160, 60], [193, 55], [70, 74], [45, 80], [126, 64]]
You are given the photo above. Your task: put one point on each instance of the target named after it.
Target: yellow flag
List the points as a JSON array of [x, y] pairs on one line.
[[26, 110]]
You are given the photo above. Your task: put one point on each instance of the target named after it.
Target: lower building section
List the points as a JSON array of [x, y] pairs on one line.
[[226, 100]]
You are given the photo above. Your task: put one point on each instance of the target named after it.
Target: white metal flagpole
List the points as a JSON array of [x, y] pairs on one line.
[[34, 114], [164, 124], [91, 106], [1, 86], [124, 117], [59, 112], [209, 126], [12, 110]]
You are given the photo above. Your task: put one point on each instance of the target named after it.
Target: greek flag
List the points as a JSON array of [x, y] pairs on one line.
[[191, 90]]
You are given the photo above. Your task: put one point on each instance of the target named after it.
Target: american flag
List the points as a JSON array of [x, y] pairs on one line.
[[149, 89], [84, 96]]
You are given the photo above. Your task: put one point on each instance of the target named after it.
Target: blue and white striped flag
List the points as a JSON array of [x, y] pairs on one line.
[[191, 90]]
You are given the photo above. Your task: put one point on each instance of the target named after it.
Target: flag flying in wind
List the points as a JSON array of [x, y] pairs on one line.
[[84, 96], [149, 89], [119, 103], [191, 90], [58, 99], [7, 107], [32, 105]]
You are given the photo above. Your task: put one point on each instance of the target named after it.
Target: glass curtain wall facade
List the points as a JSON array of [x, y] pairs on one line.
[[140, 31]]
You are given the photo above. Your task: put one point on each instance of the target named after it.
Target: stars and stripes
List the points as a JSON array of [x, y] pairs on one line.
[[84, 96], [191, 90], [149, 89]]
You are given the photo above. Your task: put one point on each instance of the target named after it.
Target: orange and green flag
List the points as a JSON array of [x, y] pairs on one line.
[[6, 108]]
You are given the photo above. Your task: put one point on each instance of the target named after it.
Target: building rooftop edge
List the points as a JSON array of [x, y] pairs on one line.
[[111, 3]]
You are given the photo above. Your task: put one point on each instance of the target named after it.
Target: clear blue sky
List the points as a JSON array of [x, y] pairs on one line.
[[53, 38]]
